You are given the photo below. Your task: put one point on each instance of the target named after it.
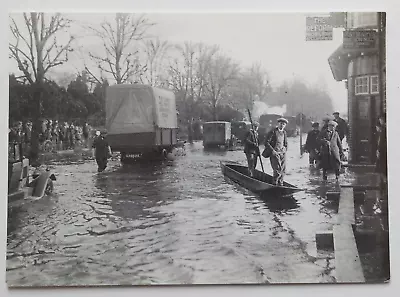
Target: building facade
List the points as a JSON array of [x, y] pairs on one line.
[[360, 67]]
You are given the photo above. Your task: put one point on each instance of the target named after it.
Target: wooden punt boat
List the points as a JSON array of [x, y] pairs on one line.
[[261, 183]]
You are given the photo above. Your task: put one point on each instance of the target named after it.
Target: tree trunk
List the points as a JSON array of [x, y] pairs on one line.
[[36, 129], [190, 130], [215, 116]]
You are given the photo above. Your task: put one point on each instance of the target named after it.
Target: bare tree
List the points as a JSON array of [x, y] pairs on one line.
[[188, 72], [258, 81], [121, 58], [35, 48], [222, 71], [251, 84], [156, 54]]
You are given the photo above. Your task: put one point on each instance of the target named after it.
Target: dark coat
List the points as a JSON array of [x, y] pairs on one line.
[[341, 127], [251, 143], [312, 141], [270, 139], [331, 150], [101, 145]]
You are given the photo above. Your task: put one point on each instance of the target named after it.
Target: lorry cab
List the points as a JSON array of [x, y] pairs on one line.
[[216, 133]]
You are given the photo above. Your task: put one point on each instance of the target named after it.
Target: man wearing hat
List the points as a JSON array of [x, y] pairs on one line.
[[312, 145], [251, 148], [342, 125], [276, 144], [325, 125], [102, 150], [331, 150]]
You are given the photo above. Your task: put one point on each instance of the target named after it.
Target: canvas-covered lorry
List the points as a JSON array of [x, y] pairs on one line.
[[141, 120]]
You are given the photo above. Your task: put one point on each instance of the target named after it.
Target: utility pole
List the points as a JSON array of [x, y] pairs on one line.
[[301, 131]]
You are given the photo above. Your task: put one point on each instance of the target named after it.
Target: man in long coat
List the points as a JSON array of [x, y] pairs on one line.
[[312, 146], [276, 142], [101, 151], [341, 128], [251, 148], [331, 150]]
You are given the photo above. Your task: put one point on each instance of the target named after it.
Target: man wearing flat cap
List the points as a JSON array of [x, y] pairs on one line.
[[342, 125], [331, 151], [312, 145], [275, 149]]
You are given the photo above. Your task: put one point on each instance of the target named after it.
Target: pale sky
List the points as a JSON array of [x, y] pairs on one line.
[[276, 40]]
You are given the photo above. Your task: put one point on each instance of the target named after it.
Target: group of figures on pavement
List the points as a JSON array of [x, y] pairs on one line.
[[52, 135], [324, 147]]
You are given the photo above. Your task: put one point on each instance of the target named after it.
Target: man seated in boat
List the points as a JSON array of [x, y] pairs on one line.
[[311, 147], [251, 148], [331, 150], [276, 143]]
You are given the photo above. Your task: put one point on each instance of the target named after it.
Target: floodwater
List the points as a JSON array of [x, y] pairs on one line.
[[177, 222]]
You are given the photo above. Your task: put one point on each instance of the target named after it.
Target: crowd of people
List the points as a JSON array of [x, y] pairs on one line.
[[324, 147], [53, 136]]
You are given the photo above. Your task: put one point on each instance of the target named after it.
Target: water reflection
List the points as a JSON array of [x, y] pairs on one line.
[[136, 191], [214, 151], [280, 205]]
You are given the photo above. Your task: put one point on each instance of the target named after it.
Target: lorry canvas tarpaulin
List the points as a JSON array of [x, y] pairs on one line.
[[129, 109], [165, 109]]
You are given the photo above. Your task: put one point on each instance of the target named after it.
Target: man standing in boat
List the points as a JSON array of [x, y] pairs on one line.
[[251, 148], [276, 143]]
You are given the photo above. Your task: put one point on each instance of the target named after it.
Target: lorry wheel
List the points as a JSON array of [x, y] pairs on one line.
[[49, 187]]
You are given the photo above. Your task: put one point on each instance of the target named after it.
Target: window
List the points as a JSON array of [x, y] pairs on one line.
[[374, 84], [362, 85]]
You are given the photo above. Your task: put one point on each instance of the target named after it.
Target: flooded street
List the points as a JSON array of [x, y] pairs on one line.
[[175, 222]]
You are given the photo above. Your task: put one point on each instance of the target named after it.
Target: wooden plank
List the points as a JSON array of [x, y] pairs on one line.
[[348, 266], [346, 207]]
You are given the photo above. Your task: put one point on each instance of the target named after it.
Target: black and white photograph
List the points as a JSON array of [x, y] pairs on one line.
[[204, 148]]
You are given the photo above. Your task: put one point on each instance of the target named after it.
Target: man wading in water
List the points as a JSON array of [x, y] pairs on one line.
[[251, 148], [276, 143], [101, 151], [312, 145], [331, 151]]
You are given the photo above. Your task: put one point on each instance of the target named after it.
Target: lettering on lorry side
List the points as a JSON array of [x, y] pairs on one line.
[[164, 107]]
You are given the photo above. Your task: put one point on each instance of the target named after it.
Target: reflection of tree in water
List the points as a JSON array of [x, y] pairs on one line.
[[136, 191]]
